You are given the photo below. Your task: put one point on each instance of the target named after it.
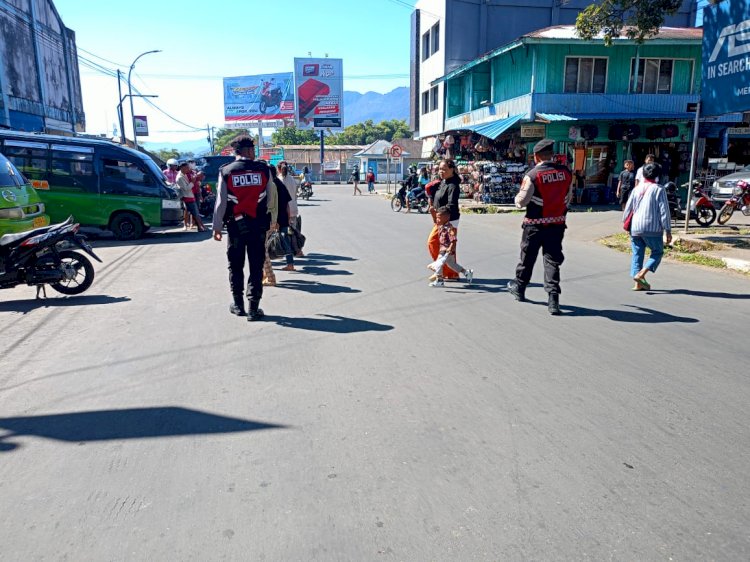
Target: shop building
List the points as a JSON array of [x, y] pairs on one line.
[[447, 34], [602, 105]]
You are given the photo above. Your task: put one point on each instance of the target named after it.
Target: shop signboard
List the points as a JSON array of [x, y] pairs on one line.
[[733, 131], [352, 163], [726, 58], [319, 93], [533, 131], [262, 99], [141, 125], [331, 166]]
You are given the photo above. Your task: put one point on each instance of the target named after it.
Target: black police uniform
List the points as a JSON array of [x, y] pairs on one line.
[[243, 190]]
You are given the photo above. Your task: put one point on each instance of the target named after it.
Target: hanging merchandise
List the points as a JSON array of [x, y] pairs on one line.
[[448, 142], [589, 132]]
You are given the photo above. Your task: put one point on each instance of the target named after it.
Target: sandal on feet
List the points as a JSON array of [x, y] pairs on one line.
[[643, 283]]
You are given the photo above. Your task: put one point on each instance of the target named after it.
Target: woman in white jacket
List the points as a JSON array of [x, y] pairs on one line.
[[291, 185]]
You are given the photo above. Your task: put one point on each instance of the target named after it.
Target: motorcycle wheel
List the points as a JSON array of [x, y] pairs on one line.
[[262, 107], [396, 203], [83, 278], [705, 216], [726, 213], [423, 205]]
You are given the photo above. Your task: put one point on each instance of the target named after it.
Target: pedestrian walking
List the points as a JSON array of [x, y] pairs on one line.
[[283, 217], [650, 159], [580, 180], [370, 179], [272, 198], [185, 186], [242, 204], [546, 192], [445, 194], [295, 220], [355, 180], [625, 183], [647, 211], [448, 238]]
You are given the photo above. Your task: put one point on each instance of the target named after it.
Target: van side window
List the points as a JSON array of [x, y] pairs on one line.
[[32, 162], [73, 171], [126, 178]]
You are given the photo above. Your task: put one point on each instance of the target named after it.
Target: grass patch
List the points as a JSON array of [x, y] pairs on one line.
[[686, 251], [699, 259], [489, 210]]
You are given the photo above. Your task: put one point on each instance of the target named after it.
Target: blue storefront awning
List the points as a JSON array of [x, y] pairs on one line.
[[552, 117], [494, 129]]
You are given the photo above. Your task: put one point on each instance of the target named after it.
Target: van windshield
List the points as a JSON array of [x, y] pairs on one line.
[[154, 169], [9, 175]]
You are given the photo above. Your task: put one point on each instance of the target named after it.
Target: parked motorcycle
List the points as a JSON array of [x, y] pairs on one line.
[[208, 201], [740, 200], [271, 98], [305, 191], [702, 208], [42, 257], [398, 201]]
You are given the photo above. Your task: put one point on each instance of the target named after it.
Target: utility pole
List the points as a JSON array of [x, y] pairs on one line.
[[120, 116], [322, 151], [130, 94]]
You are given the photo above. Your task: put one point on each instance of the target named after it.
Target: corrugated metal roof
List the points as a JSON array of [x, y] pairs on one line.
[[494, 129], [552, 117], [569, 32], [629, 116]]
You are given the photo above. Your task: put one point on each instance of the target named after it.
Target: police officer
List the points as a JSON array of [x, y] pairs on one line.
[[242, 203], [546, 191]]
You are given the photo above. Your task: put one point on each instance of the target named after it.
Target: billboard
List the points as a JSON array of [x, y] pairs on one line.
[[726, 58], [252, 99], [319, 93], [141, 125]]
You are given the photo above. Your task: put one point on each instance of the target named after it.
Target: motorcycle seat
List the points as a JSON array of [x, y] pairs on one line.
[[8, 239]]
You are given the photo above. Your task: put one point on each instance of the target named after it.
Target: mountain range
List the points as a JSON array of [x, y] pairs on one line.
[[357, 109]]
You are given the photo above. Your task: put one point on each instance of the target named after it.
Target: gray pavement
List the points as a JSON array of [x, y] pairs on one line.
[[372, 417]]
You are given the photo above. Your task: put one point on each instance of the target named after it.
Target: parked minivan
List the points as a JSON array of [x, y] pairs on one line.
[[99, 183], [20, 206]]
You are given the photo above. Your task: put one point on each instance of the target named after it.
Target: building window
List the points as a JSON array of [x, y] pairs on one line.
[[425, 102], [435, 38], [426, 45], [434, 98], [585, 75], [654, 76]]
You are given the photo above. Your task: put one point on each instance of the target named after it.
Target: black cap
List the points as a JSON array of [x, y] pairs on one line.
[[544, 145]]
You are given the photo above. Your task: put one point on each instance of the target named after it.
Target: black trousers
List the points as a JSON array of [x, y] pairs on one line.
[[250, 242], [549, 239]]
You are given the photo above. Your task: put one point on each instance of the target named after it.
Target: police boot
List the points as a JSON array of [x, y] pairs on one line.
[[238, 306], [517, 290], [553, 304], [255, 312]]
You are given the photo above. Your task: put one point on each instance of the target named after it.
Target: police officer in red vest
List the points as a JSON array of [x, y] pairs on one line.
[[546, 191], [242, 204]]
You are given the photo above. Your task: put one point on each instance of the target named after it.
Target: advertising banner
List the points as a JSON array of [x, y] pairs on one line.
[[319, 93], [141, 125], [261, 98], [726, 58]]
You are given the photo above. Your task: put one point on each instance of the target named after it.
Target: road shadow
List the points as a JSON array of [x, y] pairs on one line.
[[314, 287], [27, 305], [104, 240], [703, 294], [643, 316], [479, 285], [299, 204], [316, 270], [329, 257], [131, 423], [331, 324]]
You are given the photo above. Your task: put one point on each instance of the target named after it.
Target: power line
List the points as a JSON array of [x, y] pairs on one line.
[[98, 57]]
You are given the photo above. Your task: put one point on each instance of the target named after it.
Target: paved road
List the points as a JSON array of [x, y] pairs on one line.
[[372, 417]]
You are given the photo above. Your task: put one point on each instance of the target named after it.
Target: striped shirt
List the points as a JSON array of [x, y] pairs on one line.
[[651, 210]]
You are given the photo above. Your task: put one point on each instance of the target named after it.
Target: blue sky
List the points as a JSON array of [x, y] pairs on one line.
[[203, 41]]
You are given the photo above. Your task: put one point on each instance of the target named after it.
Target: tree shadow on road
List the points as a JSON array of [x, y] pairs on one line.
[[643, 315], [315, 287], [27, 305], [131, 423], [330, 323]]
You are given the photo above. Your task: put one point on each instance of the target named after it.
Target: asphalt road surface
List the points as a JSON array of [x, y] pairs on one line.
[[371, 417]]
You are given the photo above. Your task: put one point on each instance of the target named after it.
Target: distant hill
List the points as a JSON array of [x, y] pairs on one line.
[[378, 107]]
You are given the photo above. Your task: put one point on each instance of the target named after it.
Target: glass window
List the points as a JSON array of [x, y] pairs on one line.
[[73, 170], [434, 98], [585, 75], [425, 102], [435, 38], [32, 162], [9, 176], [426, 45], [654, 76], [126, 178]]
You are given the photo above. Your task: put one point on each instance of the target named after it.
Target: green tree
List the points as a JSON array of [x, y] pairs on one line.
[[167, 153], [368, 132], [637, 19], [224, 136], [293, 135]]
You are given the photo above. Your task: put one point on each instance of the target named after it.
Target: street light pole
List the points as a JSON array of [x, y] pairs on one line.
[[130, 94]]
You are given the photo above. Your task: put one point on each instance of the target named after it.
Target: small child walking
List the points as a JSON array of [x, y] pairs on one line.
[[447, 255]]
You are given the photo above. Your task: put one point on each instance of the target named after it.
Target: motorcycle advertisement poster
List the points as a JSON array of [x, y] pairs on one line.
[[263, 97], [319, 90]]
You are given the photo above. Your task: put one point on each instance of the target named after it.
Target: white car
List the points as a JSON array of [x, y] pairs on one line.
[[723, 188]]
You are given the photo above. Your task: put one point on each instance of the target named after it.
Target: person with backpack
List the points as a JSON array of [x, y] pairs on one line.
[[370, 179]]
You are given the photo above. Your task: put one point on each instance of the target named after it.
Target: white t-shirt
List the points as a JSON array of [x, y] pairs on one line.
[[638, 177]]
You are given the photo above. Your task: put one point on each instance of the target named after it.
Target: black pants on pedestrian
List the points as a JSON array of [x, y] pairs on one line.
[[549, 239], [250, 242]]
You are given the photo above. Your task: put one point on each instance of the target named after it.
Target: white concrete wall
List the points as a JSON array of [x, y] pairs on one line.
[[434, 67]]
